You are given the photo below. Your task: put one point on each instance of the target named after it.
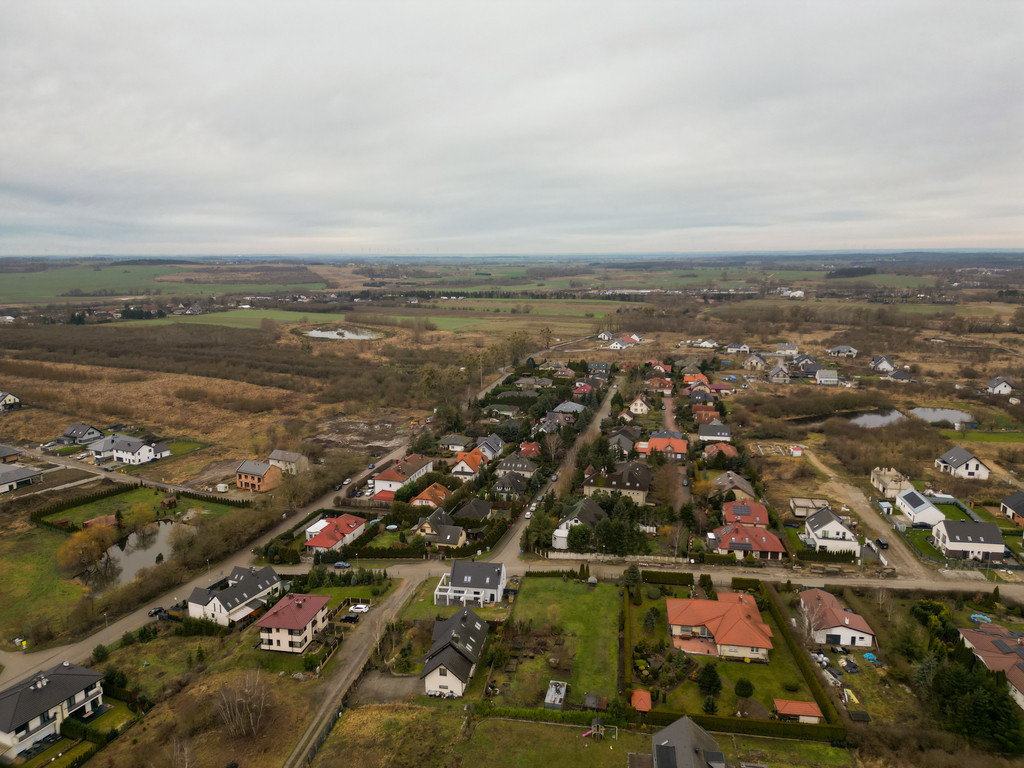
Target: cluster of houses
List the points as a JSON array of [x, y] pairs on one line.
[[619, 341], [262, 476], [14, 475], [116, 446]]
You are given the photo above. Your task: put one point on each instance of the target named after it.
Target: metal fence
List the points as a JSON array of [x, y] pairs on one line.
[[311, 755]]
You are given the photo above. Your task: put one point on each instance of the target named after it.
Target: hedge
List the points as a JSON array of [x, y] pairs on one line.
[[213, 497], [627, 642], [744, 584], [823, 556], [569, 574], [576, 717], [676, 578], [37, 516], [775, 609], [752, 727], [712, 558]]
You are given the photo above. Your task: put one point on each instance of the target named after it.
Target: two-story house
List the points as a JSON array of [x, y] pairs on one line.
[[293, 622], [471, 583], [246, 590], [825, 532], [584, 512], [959, 462], [289, 462], [454, 653]]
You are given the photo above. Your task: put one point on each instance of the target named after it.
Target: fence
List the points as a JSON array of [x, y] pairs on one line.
[[311, 755]]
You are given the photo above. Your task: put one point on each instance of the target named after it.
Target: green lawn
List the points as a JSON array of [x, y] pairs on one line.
[[887, 704], [588, 618], [246, 318], [504, 744], [117, 717], [33, 587], [794, 754], [421, 606], [952, 512], [179, 447], [361, 594], [125, 501], [49, 757], [973, 436], [919, 538]]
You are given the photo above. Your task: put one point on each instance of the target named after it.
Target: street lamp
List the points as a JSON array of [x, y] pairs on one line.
[[105, 620]]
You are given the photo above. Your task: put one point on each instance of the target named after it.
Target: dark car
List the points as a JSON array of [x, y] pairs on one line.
[[156, 612], [882, 543], [350, 618]]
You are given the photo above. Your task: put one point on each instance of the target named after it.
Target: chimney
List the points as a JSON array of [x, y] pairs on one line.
[[847, 620]]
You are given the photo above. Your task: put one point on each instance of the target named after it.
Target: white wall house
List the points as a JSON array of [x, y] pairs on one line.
[[246, 591], [411, 468], [291, 625], [454, 653], [969, 540], [470, 582], [959, 462], [828, 623], [918, 509], [827, 533], [585, 512]]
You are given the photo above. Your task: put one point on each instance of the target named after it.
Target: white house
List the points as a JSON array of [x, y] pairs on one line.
[[882, 364], [291, 625], [127, 449], [491, 446], [515, 463], [959, 462], [640, 406], [80, 434], [826, 377], [247, 590], [918, 509], [738, 349], [585, 512], [969, 540], [9, 402], [828, 623], [786, 348], [12, 478], [289, 462], [827, 533], [34, 708], [721, 433], [998, 386], [407, 470], [471, 582], [467, 464], [843, 350], [333, 533], [454, 653]]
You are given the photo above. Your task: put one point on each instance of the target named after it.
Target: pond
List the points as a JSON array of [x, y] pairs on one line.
[[866, 419], [126, 558], [358, 334], [935, 415]]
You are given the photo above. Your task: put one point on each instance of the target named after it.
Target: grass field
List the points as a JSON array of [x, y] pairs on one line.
[[125, 501], [33, 587], [972, 436], [68, 754], [919, 538], [244, 318], [588, 618], [795, 754]]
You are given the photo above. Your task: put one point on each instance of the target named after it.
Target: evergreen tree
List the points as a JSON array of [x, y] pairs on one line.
[[708, 680]]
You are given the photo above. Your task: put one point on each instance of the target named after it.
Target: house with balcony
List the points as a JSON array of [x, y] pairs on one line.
[[291, 625], [245, 591], [825, 532], [471, 583]]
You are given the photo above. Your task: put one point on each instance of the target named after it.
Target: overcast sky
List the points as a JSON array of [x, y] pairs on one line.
[[519, 127]]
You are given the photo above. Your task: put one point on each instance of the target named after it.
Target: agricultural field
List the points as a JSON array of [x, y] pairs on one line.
[[243, 318]]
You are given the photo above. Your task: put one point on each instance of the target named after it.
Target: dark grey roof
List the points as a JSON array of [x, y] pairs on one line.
[[474, 575], [630, 476], [957, 456], [6, 451], [287, 456], [17, 474], [516, 463], [684, 744], [474, 509], [457, 643], [728, 481], [448, 535], [513, 482], [970, 531], [714, 430], [587, 511], [35, 695], [456, 439], [249, 467], [821, 518], [243, 585], [996, 382], [1015, 501], [667, 433], [78, 431]]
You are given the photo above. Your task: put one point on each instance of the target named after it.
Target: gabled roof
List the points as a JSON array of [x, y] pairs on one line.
[[997, 381], [630, 476], [971, 532], [471, 574], [288, 457], [473, 459], [957, 456], [730, 481], [243, 585], [249, 467], [457, 643], [514, 462], [7, 451], [684, 744], [434, 494], [529, 449], [914, 499], [78, 431], [747, 538], [705, 431], [17, 474], [822, 518], [453, 439], [733, 619], [745, 512], [797, 708], [713, 449], [1015, 501], [513, 482], [404, 469], [474, 509], [824, 611], [35, 695], [293, 611], [334, 530], [1000, 649], [666, 445], [587, 511]]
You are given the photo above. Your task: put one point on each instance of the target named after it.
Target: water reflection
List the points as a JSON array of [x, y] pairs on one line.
[[127, 557]]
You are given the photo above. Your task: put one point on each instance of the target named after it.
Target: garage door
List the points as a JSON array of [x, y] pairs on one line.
[[832, 639]]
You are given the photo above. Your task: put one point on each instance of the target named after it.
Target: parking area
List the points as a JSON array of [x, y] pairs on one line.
[[380, 688]]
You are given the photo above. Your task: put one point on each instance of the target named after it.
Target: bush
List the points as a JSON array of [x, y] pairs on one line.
[[744, 688], [776, 728], [653, 593], [791, 685], [675, 578], [100, 653], [742, 584]]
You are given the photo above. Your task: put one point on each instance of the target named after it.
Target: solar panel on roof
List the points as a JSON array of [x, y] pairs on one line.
[[914, 499]]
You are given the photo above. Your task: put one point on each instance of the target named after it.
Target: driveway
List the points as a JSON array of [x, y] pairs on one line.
[[381, 688]]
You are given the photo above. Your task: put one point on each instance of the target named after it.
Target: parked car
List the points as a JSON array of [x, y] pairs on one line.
[[350, 618], [528, 514], [338, 487], [347, 481], [686, 482], [360, 608], [882, 543], [554, 477], [342, 564], [156, 612], [371, 466]]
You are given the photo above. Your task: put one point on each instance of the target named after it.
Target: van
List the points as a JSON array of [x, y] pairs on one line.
[[882, 543]]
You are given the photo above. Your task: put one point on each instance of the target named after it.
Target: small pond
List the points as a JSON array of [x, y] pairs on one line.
[[124, 560], [934, 415], [866, 419], [358, 334]]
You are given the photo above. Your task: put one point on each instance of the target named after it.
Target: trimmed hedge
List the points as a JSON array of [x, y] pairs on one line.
[[743, 584], [675, 578], [810, 555], [627, 642], [569, 574], [712, 558], [776, 728], [576, 717], [213, 497], [61, 506]]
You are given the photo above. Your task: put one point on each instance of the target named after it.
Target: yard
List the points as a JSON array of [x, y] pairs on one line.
[[421, 606], [148, 497], [919, 537], [794, 754], [68, 754]]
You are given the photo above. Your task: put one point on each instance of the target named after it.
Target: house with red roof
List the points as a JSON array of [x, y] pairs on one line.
[[671, 448], [746, 540], [749, 513], [1000, 650], [693, 378], [729, 627], [656, 384], [640, 700], [714, 449], [432, 496], [402, 472], [797, 711], [467, 464], [291, 625], [529, 450], [583, 390], [706, 417], [334, 532], [831, 624]]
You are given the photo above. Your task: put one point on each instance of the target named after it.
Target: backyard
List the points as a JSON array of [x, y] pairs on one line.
[[421, 606], [147, 497]]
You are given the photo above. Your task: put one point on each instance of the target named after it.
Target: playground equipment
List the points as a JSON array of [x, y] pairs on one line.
[[598, 730]]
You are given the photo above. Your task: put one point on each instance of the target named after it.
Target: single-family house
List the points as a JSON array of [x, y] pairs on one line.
[[658, 384], [454, 653], [584, 512], [697, 397], [828, 623], [1012, 507], [959, 462], [405, 470], [918, 509], [257, 476], [901, 377], [491, 446], [510, 487], [802, 506], [737, 348], [9, 401], [797, 711], [471, 583], [672, 448], [475, 509], [786, 348], [888, 482], [623, 343], [843, 350], [743, 540], [530, 450], [826, 377], [440, 529], [454, 443], [605, 336], [34, 709], [289, 462], [882, 364], [291, 625], [12, 478], [596, 367], [739, 485], [504, 411], [718, 433], [79, 434], [467, 464], [778, 375], [711, 450], [631, 479], [570, 407], [245, 590], [583, 390], [729, 627], [683, 744], [333, 533], [751, 514], [515, 462], [969, 540], [8, 455], [755, 362], [998, 386], [825, 532], [1000, 650], [127, 449], [431, 496], [639, 406]]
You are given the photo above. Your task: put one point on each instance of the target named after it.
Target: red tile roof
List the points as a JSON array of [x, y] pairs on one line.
[[732, 619], [664, 445], [401, 471], [747, 538], [641, 700], [472, 458], [725, 449], [293, 611], [337, 528], [797, 708], [433, 494], [825, 611], [530, 450], [384, 496], [745, 513]]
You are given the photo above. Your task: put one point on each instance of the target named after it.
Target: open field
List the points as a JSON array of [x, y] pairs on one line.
[[795, 754], [146, 497], [973, 436], [244, 318]]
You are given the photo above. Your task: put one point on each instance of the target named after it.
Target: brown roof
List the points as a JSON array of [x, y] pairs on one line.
[[410, 465], [745, 512], [433, 494], [293, 611], [641, 700], [733, 619], [472, 458], [999, 649], [825, 611], [797, 708]]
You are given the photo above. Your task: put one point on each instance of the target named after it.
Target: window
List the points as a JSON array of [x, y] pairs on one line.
[[442, 672]]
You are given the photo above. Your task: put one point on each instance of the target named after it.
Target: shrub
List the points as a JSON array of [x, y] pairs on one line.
[[675, 578], [100, 653], [744, 688], [653, 593], [791, 685]]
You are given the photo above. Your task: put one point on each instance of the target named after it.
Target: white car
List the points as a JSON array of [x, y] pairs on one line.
[[359, 608], [529, 514]]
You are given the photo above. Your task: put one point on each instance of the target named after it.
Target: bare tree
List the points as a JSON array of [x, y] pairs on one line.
[[183, 755], [243, 705]]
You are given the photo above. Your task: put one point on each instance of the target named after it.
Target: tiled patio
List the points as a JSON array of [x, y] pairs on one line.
[[699, 645]]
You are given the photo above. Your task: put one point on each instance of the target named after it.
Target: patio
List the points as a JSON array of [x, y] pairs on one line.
[[701, 646]]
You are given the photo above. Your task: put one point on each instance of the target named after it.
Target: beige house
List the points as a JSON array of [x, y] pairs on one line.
[[640, 406], [291, 625], [729, 627], [289, 462], [631, 479], [888, 482]]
